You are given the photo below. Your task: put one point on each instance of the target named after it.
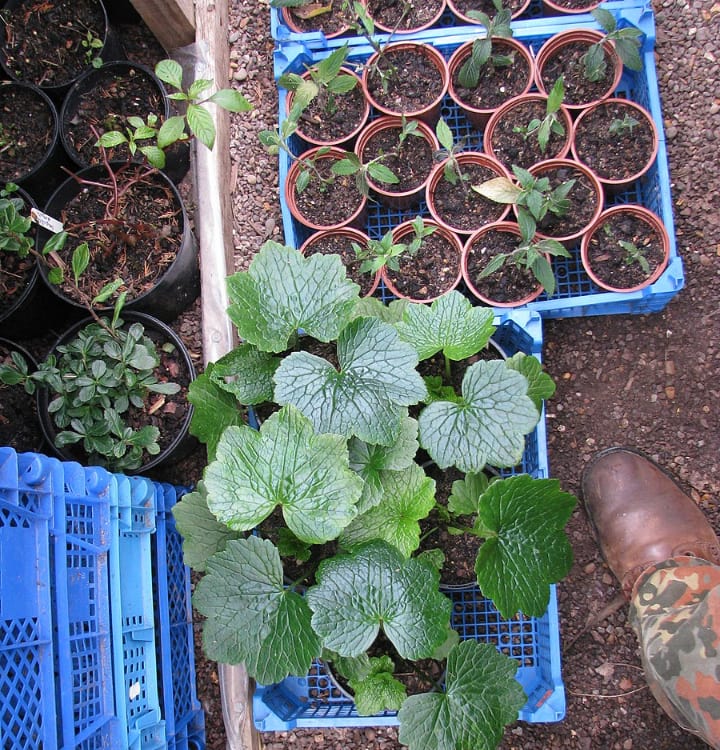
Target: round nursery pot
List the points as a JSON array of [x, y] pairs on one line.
[[586, 199], [101, 101], [417, 85], [178, 442], [152, 247], [388, 16], [43, 42], [605, 260], [319, 127], [324, 206], [411, 162], [561, 55], [432, 271], [340, 242], [496, 84], [457, 206], [19, 427], [568, 7], [618, 159], [508, 287], [332, 24], [461, 7], [31, 154], [510, 147]]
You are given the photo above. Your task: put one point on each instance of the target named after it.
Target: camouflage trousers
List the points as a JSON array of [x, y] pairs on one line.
[[675, 611]]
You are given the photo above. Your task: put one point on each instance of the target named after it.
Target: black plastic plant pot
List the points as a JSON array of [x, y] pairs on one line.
[[173, 291], [16, 54], [182, 443], [99, 96]]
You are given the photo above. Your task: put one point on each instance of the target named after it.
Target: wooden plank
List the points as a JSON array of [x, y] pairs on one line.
[[171, 21]]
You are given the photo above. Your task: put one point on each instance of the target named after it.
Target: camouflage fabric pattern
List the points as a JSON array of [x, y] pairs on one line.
[[675, 611]]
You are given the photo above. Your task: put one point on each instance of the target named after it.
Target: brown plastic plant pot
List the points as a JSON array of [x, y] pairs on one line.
[[411, 29], [551, 8], [479, 116], [360, 208], [388, 197], [615, 185], [340, 140], [401, 232], [468, 157], [642, 213], [506, 112], [290, 22], [453, 5], [350, 234], [539, 169], [429, 112], [554, 45], [507, 227]]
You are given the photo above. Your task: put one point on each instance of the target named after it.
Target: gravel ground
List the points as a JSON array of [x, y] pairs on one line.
[[648, 381]]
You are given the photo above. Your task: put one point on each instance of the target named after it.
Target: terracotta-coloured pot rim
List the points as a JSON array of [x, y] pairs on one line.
[[473, 157], [388, 121], [288, 21], [511, 104], [556, 8], [625, 181], [652, 219], [337, 141], [333, 153], [500, 226], [405, 228], [574, 35], [427, 25], [467, 19], [431, 54]]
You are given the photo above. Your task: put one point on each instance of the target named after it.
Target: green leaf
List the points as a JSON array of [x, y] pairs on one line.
[[56, 276], [283, 291], [231, 100], [80, 260], [172, 130], [481, 697], [627, 49], [542, 270], [215, 409], [368, 396], [556, 96], [251, 617], [528, 549], [305, 92], [203, 535], [372, 307], [154, 155], [380, 173], [328, 68], [465, 495], [290, 546], [201, 124], [408, 497], [488, 427], [169, 71], [379, 690], [371, 462], [285, 464], [540, 385], [444, 134], [343, 84], [349, 165], [374, 586], [247, 373], [107, 291], [450, 324], [111, 139]]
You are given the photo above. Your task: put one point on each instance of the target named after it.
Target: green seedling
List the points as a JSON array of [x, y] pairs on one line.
[[622, 127], [449, 151], [626, 41], [382, 253], [482, 49], [551, 124], [374, 169], [91, 44]]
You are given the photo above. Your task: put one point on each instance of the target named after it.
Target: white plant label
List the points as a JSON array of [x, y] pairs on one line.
[[45, 221]]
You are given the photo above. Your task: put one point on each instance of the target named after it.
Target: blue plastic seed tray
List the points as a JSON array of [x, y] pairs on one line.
[[576, 295], [28, 719], [184, 717]]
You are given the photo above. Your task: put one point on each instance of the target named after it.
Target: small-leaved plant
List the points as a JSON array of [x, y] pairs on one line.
[[374, 169], [626, 41], [337, 460], [449, 150], [623, 127], [482, 49], [378, 254], [633, 253], [551, 124], [91, 44]]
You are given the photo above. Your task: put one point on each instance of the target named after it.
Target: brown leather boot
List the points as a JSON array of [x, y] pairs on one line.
[[641, 516]]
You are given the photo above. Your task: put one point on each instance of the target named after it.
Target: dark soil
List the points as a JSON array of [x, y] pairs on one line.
[[43, 41], [513, 148], [434, 269], [333, 119], [583, 203], [329, 23], [497, 83], [414, 83], [576, 4], [19, 424], [460, 206], [511, 282], [486, 6], [568, 63], [614, 157], [335, 244], [328, 203], [15, 273], [608, 259], [27, 132], [393, 15], [116, 94]]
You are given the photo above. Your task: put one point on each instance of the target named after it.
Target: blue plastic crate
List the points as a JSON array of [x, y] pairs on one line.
[[84, 529], [27, 686], [576, 295], [136, 684], [183, 714]]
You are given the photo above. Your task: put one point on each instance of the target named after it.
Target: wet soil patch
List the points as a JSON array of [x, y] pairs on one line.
[[396, 14], [568, 62], [328, 199], [328, 119]]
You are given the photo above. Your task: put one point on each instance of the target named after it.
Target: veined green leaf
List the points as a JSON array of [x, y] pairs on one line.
[[170, 72], [247, 373], [231, 100], [540, 385], [201, 124], [379, 690], [466, 493]]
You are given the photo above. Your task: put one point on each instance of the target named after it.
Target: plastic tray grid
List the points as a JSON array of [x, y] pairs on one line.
[[184, 717], [576, 295], [27, 686]]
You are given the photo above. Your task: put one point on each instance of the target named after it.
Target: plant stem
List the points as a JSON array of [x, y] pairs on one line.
[[448, 371]]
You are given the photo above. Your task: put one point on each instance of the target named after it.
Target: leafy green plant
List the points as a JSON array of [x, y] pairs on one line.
[[351, 165], [622, 127], [633, 253], [551, 124], [384, 252], [626, 41], [482, 49], [91, 44], [336, 461], [449, 151]]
